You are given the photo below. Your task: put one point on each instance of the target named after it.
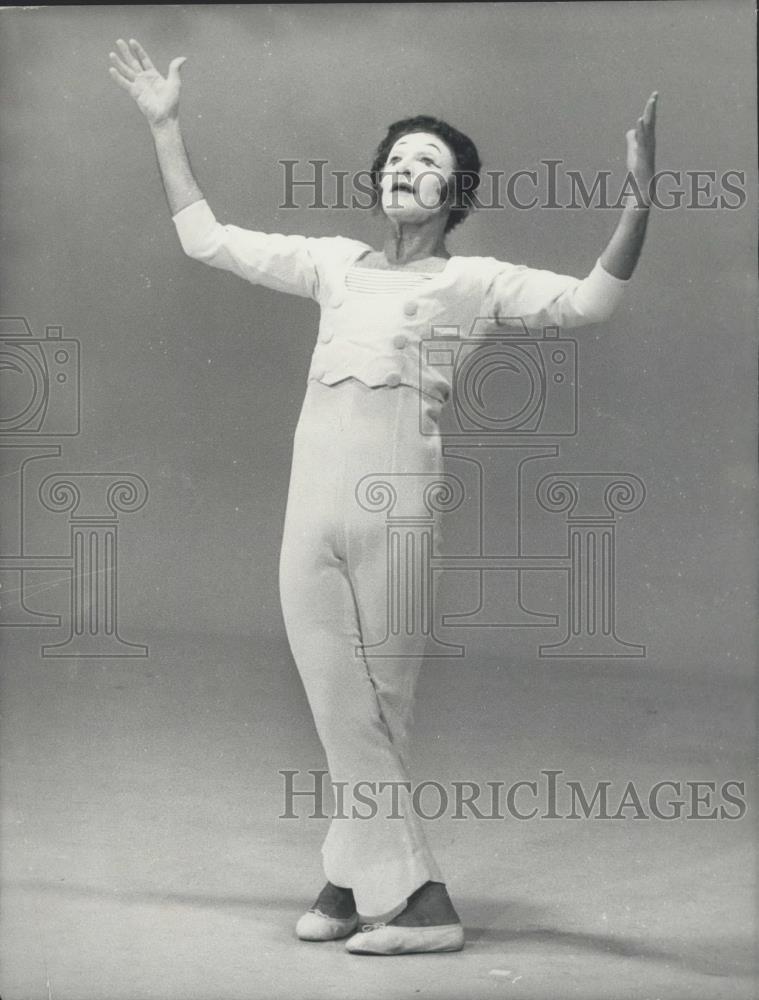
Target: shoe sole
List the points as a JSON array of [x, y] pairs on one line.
[[456, 945]]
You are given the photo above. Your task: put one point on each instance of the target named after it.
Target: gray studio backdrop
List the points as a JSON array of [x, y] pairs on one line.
[[193, 379]]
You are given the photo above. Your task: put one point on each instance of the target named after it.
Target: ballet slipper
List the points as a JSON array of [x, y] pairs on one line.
[[317, 926], [392, 939]]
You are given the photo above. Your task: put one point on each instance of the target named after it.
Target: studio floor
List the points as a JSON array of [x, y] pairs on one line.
[[143, 855]]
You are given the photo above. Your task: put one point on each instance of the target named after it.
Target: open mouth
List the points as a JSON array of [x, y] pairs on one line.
[[402, 186]]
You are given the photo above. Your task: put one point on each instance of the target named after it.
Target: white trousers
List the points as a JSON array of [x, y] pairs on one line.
[[334, 593]]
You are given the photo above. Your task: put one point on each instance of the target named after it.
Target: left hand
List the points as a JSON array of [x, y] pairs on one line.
[[156, 96], [641, 148]]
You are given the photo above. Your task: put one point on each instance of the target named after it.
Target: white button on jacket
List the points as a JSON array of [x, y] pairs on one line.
[[385, 339]]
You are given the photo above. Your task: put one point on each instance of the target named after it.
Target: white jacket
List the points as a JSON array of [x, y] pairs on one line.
[[384, 339]]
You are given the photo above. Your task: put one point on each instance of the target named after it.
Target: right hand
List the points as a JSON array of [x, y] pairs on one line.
[[156, 96], [641, 151]]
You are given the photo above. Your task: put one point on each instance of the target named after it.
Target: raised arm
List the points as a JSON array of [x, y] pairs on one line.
[[521, 294], [157, 97], [293, 264], [623, 250]]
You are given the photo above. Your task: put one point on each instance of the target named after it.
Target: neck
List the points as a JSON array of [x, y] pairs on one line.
[[405, 242]]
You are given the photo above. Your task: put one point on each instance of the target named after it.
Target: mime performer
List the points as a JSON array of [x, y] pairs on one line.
[[372, 407]]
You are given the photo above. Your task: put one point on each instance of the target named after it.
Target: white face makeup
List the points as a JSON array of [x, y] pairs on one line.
[[414, 176]]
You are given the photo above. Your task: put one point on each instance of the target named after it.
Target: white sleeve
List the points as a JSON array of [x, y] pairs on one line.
[[284, 263], [516, 293]]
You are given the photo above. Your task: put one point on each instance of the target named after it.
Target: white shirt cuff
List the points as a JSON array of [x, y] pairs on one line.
[[600, 293], [607, 280], [194, 225]]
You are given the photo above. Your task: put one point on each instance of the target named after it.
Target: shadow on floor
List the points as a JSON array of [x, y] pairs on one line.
[[219, 902], [526, 926]]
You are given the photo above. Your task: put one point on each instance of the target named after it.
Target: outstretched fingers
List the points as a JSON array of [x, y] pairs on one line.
[[140, 54], [121, 67], [121, 80], [128, 56], [649, 114]]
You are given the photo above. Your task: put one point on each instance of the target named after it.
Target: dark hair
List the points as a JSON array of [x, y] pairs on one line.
[[466, 176]]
